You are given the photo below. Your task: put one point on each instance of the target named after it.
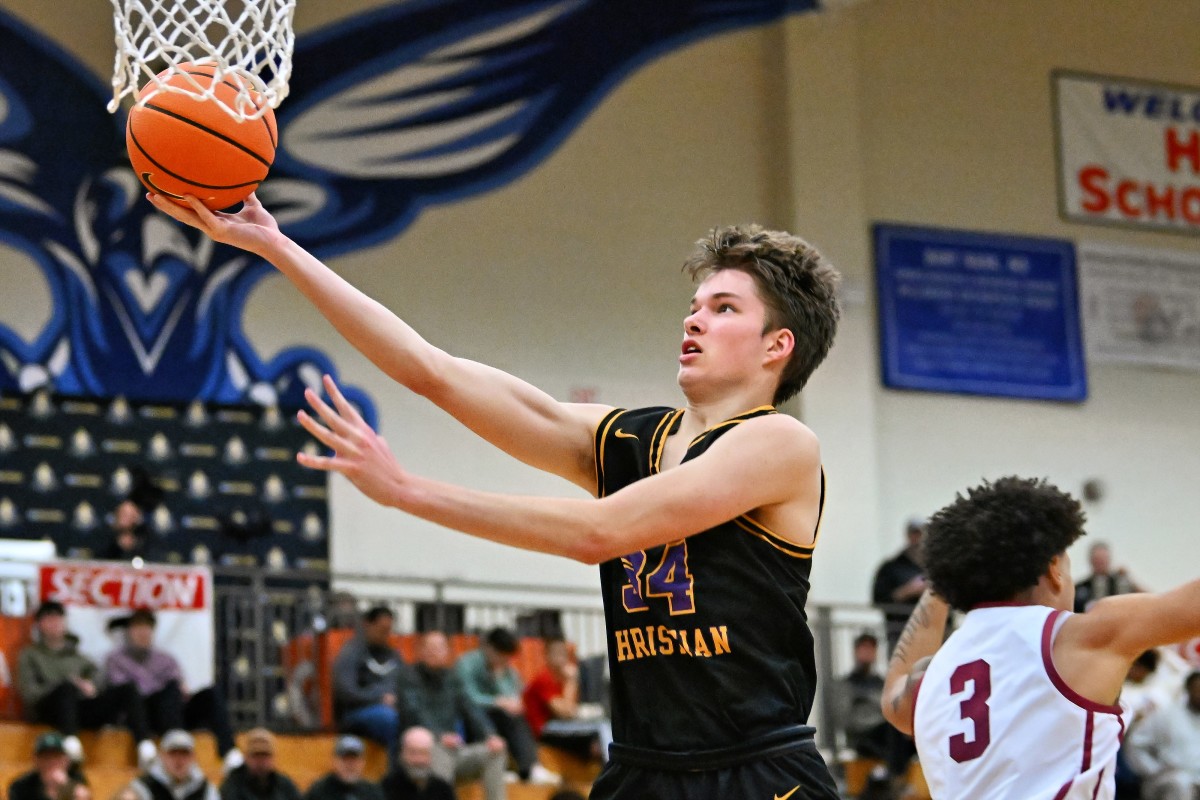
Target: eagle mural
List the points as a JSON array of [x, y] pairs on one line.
[[412, 104]]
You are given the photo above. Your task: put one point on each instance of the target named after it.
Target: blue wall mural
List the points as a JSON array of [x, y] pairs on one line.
[[413, 104]]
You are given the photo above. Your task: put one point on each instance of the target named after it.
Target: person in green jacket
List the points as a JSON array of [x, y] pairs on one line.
[[62, 688], [494, 684]]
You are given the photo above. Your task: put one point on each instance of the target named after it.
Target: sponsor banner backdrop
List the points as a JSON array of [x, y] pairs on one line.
[[1128, 152], [95, 593], [1140, 306]]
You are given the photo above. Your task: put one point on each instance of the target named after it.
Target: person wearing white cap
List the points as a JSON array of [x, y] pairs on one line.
[[346, 781], [175, 775]]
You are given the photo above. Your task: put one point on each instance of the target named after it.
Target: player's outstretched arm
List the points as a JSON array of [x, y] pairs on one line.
[[1093, 650], [923, 635], [518, 418], [767, 464]]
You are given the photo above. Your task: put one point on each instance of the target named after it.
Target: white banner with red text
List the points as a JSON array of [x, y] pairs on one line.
[[1128, 152], [95, 593]]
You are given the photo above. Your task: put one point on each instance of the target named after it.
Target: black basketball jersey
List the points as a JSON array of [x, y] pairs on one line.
[[708, 639]]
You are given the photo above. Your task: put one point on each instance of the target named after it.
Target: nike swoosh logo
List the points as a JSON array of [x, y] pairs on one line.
[[789, 794], [623, 435]]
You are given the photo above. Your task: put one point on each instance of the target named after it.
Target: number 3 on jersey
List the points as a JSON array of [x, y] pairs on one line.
[[974, 708], [670, 579]]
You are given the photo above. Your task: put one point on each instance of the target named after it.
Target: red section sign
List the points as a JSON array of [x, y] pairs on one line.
[[119, 586]]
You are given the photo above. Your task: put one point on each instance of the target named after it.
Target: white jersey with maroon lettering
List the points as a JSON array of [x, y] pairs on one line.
[[995, 721]]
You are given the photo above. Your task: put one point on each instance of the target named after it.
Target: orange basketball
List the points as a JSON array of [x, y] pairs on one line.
[[179, 145]]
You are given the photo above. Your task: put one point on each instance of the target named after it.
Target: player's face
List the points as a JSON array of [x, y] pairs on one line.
[[723, 340]]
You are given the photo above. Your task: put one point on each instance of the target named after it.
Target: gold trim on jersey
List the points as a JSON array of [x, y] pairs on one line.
[[779, 543], [753, 526], [658, 442], [601, 438], [742, 417]]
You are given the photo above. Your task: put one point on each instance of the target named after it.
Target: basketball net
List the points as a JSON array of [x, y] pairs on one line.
[[250, 40]]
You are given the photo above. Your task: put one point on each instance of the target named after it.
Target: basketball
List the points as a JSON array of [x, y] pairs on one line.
[[180, 145]]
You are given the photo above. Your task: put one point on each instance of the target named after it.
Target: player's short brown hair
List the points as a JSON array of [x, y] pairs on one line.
[[797, 285]]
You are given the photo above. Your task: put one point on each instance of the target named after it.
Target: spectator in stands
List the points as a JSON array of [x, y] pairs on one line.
[[366, 674], [412, 778], [157, 677], [858, 695], [175, 775], [346, 781], [900, 582], [1104, 581], [52, 770], [494, 684], [129, 538], [75, 789], [342, 611], [553, 709], [1164, 748], [466, 746], [60, 688], [258, 779]]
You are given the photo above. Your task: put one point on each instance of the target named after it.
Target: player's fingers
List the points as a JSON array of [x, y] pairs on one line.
[[203, 212], [324, 435], [348, 412], [330, 416], [173, 209], [252, 201], [323, 463]]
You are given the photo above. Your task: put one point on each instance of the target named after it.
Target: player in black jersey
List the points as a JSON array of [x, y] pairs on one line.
[[703, 519]]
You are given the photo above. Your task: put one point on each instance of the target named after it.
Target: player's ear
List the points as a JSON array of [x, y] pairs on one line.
[[1057, 573], [780, 344]]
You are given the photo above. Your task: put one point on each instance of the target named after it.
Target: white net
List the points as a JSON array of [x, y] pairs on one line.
[[249, 39]]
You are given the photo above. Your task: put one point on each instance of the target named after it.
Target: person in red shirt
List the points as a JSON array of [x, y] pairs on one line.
[[553, 709]]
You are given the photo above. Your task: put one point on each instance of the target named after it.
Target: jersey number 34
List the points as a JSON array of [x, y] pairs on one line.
[[670, 579]]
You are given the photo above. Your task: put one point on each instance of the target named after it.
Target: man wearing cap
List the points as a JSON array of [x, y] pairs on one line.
[[345, 782], [258, 779], [175, 775], [900, 582], [61, 687], [52, 769], [412, 777]]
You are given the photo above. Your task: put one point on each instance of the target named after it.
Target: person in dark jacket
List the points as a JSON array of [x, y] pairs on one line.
[[365, 675], [175, 775], [258, 779], [52, 769], [345, 782], [412, 778], [466, 746]]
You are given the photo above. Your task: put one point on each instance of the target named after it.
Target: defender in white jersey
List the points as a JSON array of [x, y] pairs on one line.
[[1021, 702], [993, 686]]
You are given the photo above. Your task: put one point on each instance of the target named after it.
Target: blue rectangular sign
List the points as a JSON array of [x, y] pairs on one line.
[[978, 313]]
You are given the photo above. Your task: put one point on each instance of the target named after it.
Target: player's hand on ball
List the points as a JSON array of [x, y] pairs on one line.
[[251, 228], [359, 452]]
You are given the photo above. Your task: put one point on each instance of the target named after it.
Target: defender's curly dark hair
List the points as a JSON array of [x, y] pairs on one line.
[[998, 540], [797, 285]]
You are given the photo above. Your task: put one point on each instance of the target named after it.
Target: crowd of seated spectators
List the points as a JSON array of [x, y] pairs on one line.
[[476, 709]]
